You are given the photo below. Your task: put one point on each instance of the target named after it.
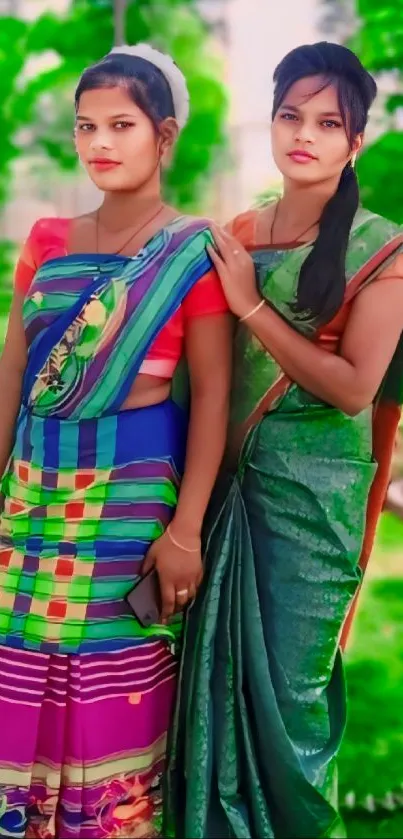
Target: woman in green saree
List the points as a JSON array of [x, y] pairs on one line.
[[317, 285]]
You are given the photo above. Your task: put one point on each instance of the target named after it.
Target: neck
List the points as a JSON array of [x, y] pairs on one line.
[[301, 203], [120, 210]]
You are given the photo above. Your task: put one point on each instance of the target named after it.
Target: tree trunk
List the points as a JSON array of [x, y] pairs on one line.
[[119, 18]]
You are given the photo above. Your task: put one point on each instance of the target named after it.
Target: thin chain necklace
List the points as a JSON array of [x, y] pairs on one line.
[[297, 238], [132, 235]]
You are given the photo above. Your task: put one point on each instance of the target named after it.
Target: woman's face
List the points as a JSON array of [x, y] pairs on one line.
[[115, 140], [309, 140]]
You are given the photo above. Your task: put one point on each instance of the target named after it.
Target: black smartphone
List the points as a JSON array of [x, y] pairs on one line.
[[144, 599]]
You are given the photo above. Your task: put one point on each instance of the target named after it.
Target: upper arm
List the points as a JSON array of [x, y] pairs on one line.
[[14, 355], [209, 354], [208, 335], [26, 265], [374, 328], [205, 298]]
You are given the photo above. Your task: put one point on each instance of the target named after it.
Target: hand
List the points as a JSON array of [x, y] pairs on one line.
[[236, 271], [180, 572]]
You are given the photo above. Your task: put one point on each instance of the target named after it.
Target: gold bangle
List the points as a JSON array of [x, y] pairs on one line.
[[178, 544], [252, 311]]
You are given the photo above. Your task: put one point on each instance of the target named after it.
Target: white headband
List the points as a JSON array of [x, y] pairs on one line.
[[174, 77]]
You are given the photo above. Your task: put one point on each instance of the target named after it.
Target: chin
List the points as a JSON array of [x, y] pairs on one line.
[[111, 182], [108, 184], [301, 173]]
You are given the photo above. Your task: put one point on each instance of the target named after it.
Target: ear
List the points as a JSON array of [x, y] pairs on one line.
[[75, 138], [356, 147], [169, 132]]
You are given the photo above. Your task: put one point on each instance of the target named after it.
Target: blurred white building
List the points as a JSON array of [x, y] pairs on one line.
[[254, 35]]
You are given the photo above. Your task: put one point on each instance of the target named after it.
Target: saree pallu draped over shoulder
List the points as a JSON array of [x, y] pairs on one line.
[[261, 709], [87, 693]]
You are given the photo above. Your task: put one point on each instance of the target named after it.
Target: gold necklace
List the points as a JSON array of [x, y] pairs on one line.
[[132, 235], [297, 238]]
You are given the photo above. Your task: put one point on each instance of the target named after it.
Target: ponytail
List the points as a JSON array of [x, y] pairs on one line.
[[322, 279]]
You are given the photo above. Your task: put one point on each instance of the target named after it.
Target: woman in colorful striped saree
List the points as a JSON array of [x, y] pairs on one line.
[[317, 284], [101, 459]]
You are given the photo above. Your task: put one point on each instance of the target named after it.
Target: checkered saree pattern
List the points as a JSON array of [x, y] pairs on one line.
[[85, 495]]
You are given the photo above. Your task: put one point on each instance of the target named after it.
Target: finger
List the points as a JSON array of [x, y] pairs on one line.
[[182, 596], [168, 601], [192, 590], [228, 246], [225, 237], [216, 231], [224, 250], [148, 563], [216, 259]]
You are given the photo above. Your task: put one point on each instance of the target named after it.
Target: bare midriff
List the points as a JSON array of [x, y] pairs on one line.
[[145, 391]]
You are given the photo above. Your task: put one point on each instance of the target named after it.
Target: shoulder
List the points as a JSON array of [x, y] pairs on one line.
[[243, 227], [46, 238], [389, 237], [188, 230], [374, 243], [206, 296], [46, 230], [372, 234], [46, 226]]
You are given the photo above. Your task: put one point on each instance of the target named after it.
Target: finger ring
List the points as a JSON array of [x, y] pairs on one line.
[[184, 592]]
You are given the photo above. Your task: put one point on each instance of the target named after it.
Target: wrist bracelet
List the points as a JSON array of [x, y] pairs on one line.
[[178, 544], [253, 311]]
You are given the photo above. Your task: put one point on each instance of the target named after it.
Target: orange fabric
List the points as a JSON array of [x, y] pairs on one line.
[[385, 425], [48, 240], [243, 227]]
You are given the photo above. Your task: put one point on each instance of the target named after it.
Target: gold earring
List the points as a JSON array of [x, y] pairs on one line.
[[353, 160]]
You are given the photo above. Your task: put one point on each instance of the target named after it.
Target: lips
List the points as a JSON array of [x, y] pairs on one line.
[[103, 164], [299, 156]]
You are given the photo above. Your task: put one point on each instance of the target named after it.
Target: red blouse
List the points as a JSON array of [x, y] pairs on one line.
[[48, 240]]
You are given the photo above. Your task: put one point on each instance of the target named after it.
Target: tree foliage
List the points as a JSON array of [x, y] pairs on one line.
[[37, 109], [84, 36], [378, 41]]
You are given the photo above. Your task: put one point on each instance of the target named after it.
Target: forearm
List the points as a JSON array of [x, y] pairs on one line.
[[205, 448], [322, 373], [10, 400]]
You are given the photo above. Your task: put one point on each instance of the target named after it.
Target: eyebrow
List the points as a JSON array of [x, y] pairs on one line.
[[295, 110], [113, 116]]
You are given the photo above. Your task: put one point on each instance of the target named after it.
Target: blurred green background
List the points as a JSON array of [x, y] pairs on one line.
[[36, 132]]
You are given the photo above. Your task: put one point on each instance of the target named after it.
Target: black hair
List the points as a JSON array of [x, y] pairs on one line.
[[144, 82], [322, 279]]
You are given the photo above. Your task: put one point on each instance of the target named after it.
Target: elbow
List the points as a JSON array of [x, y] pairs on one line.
[[354, 403], [211, 405]]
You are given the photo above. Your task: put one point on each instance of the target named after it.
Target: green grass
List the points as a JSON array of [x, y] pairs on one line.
[[371, 758], [370, 828], [390, 536], [3, 329]]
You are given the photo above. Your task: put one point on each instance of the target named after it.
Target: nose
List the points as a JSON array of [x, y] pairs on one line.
[[100, 139], [305, 132]]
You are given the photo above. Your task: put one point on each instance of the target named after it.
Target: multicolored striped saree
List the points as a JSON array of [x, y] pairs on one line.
[[262, 705], [85, 691]]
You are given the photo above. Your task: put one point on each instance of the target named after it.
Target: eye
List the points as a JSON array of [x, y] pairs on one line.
[[85, 126], [331, 123], [288, 116], [122, 124]]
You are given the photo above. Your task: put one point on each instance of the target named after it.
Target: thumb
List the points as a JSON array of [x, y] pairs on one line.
[[148, 563]]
